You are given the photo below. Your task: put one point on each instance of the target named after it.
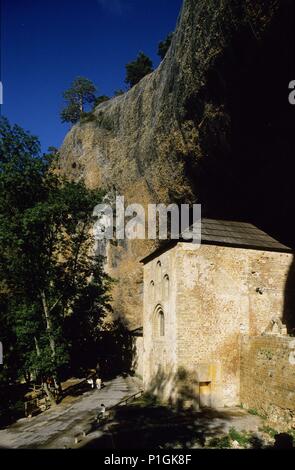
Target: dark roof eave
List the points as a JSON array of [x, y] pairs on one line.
[[159, 251]]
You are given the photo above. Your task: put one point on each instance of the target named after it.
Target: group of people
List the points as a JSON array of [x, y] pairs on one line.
[[97, 383], [94, 381]]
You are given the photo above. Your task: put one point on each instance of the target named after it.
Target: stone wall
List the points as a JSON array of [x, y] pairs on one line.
[[160, 358], [216, 295], [268, 378], [223, 292]]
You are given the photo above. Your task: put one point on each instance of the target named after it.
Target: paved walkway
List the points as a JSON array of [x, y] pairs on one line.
[[57, 427]]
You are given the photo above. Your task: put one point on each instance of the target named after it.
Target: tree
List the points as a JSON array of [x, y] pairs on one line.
[[138, 69], [52, 150], [165, 45], [81, 93], [47, 265]]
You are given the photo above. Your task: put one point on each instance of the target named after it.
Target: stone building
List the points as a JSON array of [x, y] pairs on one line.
[[199, 305]]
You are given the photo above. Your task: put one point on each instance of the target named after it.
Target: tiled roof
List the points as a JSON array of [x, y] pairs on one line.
[[229, 233], [238, 234]]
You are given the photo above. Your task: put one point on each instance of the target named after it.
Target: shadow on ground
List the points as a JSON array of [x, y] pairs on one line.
[[141, 426]]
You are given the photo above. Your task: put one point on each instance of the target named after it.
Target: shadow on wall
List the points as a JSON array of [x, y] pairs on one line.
[[289, 303], [178, 389]]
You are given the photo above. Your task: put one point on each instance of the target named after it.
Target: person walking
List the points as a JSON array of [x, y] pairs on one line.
[[101, 412], [98, 383]]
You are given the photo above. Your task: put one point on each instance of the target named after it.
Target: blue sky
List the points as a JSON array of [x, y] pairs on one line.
[[45, 44]]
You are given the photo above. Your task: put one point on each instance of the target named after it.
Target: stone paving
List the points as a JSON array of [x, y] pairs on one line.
[[58, 427]]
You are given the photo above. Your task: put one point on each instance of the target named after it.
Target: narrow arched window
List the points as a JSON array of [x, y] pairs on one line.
[[152, 290], [158, 322], [166, 287], [158, 271], [162, 323]]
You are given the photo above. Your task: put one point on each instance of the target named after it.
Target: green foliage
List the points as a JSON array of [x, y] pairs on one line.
[[48, 271], [291, 432], [254, 412], [52, 150], [99, 100], [87, 117], [165, 45], [77, 97], [138, 69], [222, 442], [71, 113], [242, 438], [268, 430]]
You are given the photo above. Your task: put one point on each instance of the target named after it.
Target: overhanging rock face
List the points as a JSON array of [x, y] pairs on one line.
[[202, 127]]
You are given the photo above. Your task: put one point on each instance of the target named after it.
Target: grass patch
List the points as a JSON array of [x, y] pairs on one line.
[[243, 438], [255, 412], [222, 442], [268, 430]]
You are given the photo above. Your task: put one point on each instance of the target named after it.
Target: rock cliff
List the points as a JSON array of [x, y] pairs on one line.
[[209, 125]]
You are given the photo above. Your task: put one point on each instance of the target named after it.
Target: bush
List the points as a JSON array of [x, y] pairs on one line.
[[87, 117], [223, 442]]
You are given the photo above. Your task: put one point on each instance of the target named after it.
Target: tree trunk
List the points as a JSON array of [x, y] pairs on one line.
[[51, 339], [28, 377], [81, 106], [49, 394], [44, 383], [48, 323], [57, 383]]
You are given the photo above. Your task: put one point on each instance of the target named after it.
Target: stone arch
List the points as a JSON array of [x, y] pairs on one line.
[[159, 322]]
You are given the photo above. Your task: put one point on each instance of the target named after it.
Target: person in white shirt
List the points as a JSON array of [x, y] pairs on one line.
[[91, 382], [98, 383], [101, 412]]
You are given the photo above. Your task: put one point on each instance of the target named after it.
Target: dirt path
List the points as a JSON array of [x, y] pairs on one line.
[[57, 427]]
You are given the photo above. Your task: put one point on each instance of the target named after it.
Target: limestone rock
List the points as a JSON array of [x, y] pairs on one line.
[[199, 128]]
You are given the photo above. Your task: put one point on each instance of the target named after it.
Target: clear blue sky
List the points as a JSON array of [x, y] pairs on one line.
[[45, 44]]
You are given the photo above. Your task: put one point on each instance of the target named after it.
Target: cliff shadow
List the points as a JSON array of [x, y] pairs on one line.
[[247, 128]]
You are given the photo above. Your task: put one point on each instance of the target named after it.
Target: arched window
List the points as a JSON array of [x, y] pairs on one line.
[[166, 287], [152, 290], [158, 271], [161, 324]]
